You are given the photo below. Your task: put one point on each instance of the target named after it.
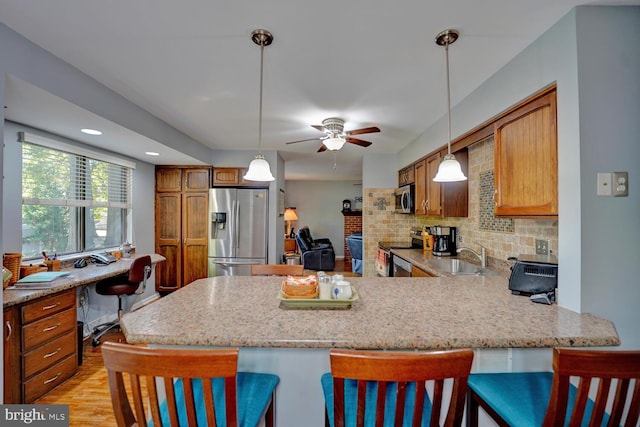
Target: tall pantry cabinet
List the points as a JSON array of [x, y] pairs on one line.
[[181, 210]]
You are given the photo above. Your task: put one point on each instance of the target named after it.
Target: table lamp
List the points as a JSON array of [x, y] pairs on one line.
[[289, 216]]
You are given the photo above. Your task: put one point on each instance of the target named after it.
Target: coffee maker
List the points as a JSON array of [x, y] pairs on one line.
[[444, 240]]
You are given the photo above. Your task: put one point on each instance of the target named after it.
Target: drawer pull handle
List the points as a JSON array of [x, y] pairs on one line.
[[10, 330], [51, 328], [53, 353], [49, 307], [50, 380]]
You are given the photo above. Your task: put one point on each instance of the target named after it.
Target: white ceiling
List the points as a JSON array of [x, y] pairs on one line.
[[192, 64]]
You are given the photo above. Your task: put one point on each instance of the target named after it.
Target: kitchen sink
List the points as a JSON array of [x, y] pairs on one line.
[[459, 267]]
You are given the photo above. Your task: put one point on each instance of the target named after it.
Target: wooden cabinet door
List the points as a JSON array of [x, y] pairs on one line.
[[195, 238], [455, 195], [526, 160], [168, 241], [420, 174], [168, 179], [418, 272], [11, 341], [225, 176], [433, 205], [197, 179]]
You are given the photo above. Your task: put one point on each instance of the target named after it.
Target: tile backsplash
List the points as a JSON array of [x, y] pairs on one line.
[[503, 237]]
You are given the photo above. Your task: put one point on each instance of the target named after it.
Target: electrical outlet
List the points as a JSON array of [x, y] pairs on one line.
[[542, 247]]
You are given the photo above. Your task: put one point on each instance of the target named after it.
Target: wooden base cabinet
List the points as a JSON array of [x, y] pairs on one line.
[[41, 346], [181, 221]]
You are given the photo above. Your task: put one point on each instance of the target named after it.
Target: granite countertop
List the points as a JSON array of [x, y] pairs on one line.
[[391, 313], [421, 258], [77, 277]]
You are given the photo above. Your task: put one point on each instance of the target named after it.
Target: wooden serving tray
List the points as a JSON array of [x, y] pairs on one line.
[[316, 303]]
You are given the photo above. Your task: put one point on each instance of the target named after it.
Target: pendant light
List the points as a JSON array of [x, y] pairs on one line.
[[449, 169], [259, 169]]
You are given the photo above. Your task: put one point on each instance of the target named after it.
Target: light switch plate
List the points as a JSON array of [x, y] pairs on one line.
[[620, 184], [604, 184]]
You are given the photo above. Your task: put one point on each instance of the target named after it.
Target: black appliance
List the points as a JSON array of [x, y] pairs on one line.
[[444, 240], [404, 199], [533, 275]]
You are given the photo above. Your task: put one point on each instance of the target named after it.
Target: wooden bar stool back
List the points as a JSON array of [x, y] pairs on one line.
[[587, 387], [185, 387], [277, 269], [366, 388]]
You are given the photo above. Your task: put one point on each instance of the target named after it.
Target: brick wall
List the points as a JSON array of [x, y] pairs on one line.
[[352, 224]]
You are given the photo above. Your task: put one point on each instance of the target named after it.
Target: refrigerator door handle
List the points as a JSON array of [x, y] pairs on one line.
[[237, 228]]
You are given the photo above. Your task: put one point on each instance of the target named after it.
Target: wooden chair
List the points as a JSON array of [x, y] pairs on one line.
[[383, 388], [185, 387], [276, 270], [550, 399]]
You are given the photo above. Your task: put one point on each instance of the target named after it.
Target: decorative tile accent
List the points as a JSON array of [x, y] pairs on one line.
[[487, 220]]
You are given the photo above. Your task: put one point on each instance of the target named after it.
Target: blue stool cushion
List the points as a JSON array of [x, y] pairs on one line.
[[351, 401], [254, 391], [521, 398]]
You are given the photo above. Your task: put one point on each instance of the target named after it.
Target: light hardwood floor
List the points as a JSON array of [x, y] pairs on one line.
[[87, 393]]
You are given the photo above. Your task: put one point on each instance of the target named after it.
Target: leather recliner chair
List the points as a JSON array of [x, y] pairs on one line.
[[316, 254], [354, 244]]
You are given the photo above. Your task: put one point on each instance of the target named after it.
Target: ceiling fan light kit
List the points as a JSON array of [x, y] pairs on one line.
[[335, 136], [259, 169], [449, 169]]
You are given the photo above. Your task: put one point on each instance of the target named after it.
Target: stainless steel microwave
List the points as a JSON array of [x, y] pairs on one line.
[[404, 199]]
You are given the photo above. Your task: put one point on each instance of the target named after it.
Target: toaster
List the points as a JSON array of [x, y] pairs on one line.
[[533, 274]]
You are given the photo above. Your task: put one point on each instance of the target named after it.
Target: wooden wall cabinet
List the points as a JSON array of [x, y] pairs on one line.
[[440, 199], [233, 177], [40, 347], [526, 160], [181, 221], [406, 176]]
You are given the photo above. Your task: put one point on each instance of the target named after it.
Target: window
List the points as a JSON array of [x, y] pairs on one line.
[[71, 201]]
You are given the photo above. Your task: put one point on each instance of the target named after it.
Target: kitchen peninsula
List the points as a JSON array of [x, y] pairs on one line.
[[391, 314]]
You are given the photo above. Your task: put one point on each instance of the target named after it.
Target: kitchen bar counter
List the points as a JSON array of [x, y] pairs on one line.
[[392, 314], [506, 331], [77, 277]]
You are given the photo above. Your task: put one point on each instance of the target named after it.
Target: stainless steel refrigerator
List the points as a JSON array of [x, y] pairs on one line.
[[238, 219]]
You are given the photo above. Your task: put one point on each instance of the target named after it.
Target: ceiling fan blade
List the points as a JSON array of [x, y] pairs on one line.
[[371, 129], [359, 142], [322, 148], [303, 140], [318, 127]]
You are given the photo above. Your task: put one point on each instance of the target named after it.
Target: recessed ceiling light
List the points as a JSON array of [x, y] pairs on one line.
[[151, 153], [91, 131]]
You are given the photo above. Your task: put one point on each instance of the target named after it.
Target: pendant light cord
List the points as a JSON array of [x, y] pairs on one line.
[[446, 52], [260, 109]]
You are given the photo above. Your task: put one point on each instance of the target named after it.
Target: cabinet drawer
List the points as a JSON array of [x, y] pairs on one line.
[[48, 354], [43, 330], [49, 379], [48, 306]]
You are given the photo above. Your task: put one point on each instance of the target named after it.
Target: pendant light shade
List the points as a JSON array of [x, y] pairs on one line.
[[449, 169], [259, 169]]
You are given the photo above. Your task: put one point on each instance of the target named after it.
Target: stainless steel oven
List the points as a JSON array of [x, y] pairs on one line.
[[401, 267], [384, 256]]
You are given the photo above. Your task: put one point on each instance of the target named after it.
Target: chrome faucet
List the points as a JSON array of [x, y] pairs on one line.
[[482, 256]]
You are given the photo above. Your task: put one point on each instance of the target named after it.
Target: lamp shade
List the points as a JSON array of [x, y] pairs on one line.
[[334, 143], [290, 214], [449, 170], [259, 170]]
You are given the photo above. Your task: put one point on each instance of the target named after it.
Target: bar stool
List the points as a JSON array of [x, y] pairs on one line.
[[124, 284], [549, 399], [366, 388]]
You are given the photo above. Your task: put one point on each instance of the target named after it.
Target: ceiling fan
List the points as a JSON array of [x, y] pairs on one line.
[[335, 136]]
